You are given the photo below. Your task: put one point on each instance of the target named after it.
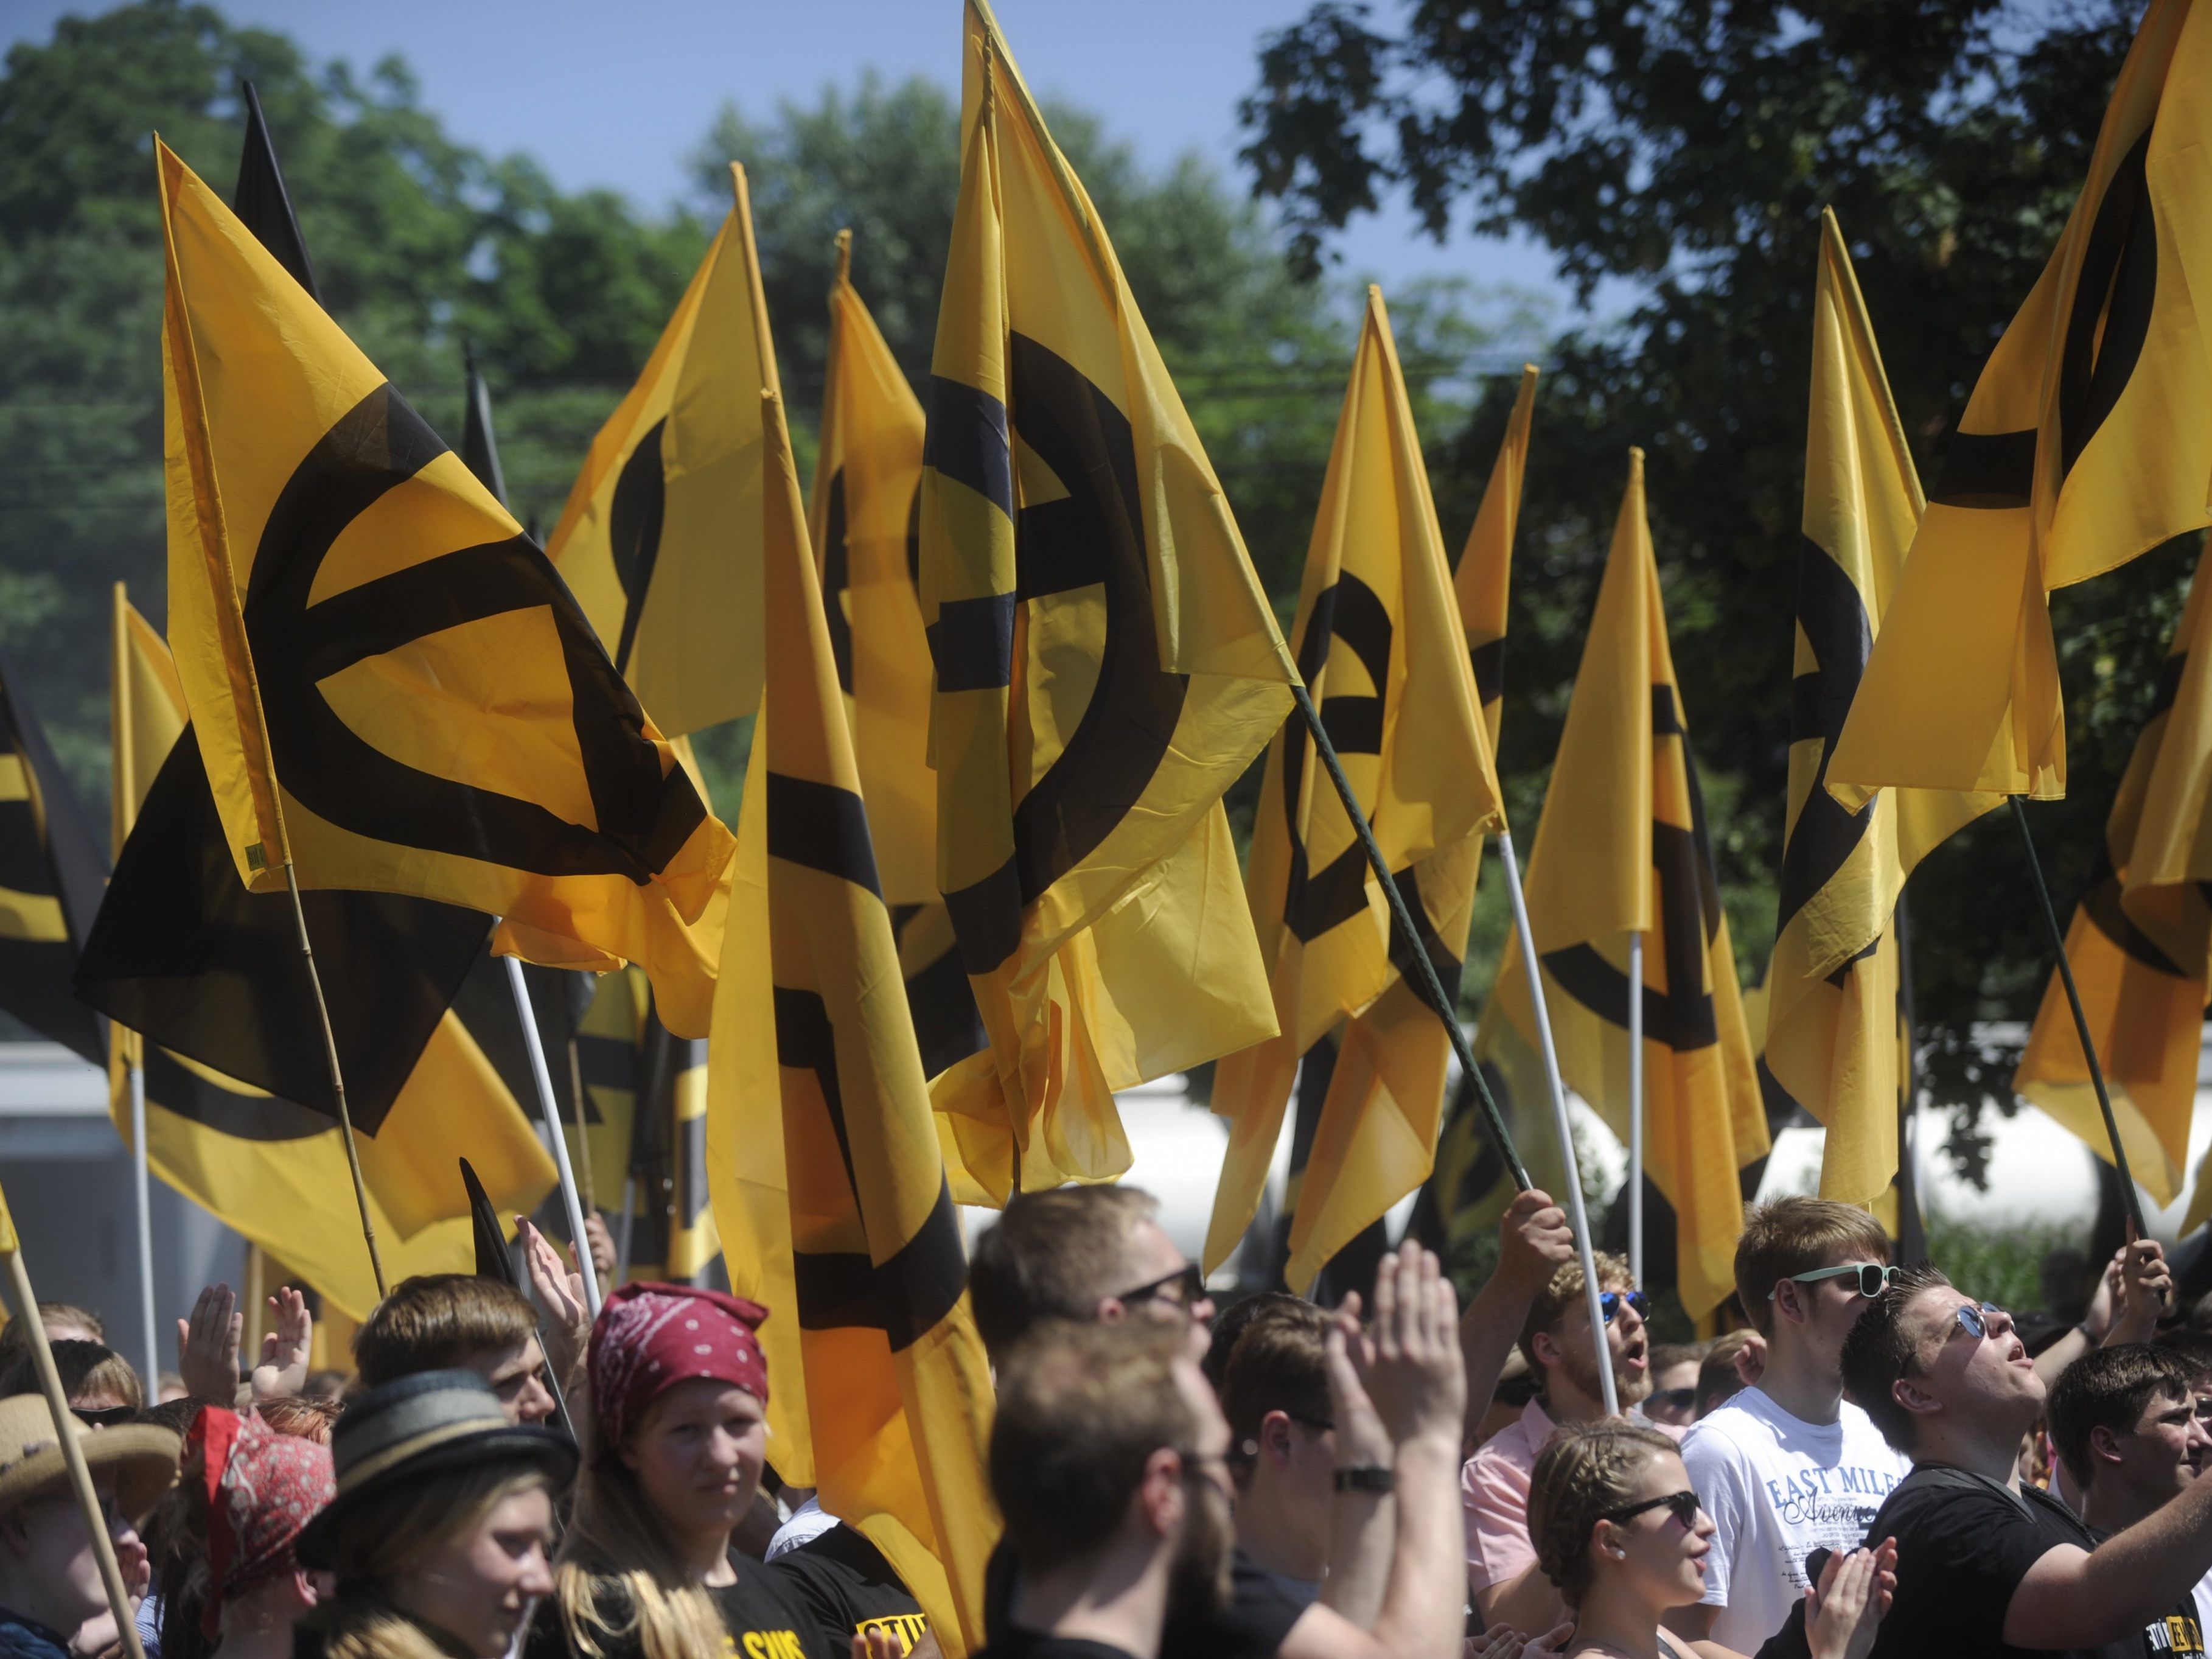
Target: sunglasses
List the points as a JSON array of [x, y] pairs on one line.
[[1873, 1278], [1679, 1399], [1684, 1505], [1185, 1288], [1975, 1318], [1610, 1302], [105, 1417]]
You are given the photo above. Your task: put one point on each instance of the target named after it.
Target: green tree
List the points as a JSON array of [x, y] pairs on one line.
[[1689, 149]]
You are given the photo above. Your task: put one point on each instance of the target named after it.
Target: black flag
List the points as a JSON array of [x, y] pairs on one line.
[[265, 205], [50, 875]]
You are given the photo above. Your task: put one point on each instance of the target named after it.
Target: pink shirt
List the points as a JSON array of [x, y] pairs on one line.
[[1494, 1492]]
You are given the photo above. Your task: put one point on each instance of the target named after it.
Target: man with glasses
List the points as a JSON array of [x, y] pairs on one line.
[[1502, 1573], [1789, 1466], [1986, 1565]]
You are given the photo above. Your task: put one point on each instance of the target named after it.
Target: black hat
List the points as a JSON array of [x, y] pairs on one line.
[[431, 1420]]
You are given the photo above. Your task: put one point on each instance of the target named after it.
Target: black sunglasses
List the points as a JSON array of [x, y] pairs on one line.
[[1185, 1288], [1610, 1302], [105, 1417], [1683, 1503], [1679, 1400]]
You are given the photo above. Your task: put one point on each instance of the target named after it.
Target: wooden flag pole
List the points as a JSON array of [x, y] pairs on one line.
[[1636, 1106], [579, 1240], [2128, 1194], [66, 1429], [1431, 986], [337, 1079], [1575, 1208]]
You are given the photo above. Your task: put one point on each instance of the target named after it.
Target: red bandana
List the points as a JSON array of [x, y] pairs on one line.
[[262, 1488], [650, 1337]]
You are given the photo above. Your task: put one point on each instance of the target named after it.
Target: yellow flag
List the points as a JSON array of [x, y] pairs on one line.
[[391, 688], [1832, 983], [1380, 646], [647, 541], [1485, 565], [1623, 848], [2137, 945], [829, 1189], [2087, 441], [1106, 666], [864, 520], [276, 1172]]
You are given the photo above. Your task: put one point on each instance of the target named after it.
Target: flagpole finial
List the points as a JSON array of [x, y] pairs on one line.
[[845, 255]]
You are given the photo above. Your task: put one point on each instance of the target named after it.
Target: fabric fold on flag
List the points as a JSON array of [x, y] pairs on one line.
[[2087, 442], [829, 1188], [389, 685], [1623, 848], [1379, 643], [1106, 666], [1832, 1025]]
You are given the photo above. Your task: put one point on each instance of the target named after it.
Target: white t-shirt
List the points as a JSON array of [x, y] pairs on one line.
[[1778, 1489]]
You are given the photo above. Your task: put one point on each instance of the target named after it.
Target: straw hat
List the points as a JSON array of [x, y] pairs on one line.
[[142, 1458], [406, 1429]]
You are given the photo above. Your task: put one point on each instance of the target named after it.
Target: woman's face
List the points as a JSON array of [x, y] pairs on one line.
[[697, 1454], [1663, 1560], [477, 1587]]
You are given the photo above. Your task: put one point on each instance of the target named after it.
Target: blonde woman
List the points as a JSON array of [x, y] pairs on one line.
[[672, 1454], [1619, 1530], [440, 1535]]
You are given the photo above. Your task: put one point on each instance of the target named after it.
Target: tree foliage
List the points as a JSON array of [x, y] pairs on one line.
[[1688, 148]]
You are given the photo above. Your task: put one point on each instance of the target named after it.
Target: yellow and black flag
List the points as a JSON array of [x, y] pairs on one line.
[[1380, 646], [1831, 1030], [1623, 848], [864, 520], [50, 878], [2137, 945], [1106, 666], [2087, 441], [272, 1169], [829, 1187], [648, 541], [1471, 1184], [390, 687]]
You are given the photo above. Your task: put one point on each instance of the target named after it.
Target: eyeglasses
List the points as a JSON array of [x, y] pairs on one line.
[[1185, 1288], [1608, 1303], [1975, 1318], [1684, 1505], [105, 1417], [1873, 1278], [1678, 1399]]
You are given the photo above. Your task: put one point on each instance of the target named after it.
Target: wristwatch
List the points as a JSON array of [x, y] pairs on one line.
[[1367, 1477]]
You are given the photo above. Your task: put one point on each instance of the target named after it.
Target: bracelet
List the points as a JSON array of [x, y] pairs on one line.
[[1367, 1477]]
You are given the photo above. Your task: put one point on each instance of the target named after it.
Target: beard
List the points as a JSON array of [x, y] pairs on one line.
[[1198, 1579], [1580, 1364]]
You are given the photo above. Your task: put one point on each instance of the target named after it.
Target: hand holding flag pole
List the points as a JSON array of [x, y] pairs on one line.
[[579, 1240], [66, 1430], [2129, 1197]]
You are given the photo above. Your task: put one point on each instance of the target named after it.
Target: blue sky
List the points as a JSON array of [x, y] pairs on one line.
[[617, 95]]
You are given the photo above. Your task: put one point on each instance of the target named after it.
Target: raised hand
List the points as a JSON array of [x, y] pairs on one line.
[[1533, 1241], [207, 1346], [560, 1294], [2145, 1286], [1408, 1362], [284, 1351]]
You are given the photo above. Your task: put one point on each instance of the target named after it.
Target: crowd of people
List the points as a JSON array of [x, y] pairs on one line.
[[1877, 1468]]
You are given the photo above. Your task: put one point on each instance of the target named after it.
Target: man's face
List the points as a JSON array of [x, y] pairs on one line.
[[1830, 1306], [2160, 1456], [48, 1545], [1150, 1287], [1198, 1581], [1988, 1381], [515, 1377], [1625, 1338]]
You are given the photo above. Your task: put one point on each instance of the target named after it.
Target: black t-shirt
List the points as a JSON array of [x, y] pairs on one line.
[[1260, 1614], [763, 1619], [850, 1587], [1013, 1643], [1964, 1543], [2179, 1634]]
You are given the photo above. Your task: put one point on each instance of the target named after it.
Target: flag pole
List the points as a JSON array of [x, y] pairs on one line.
[[1636, 1106], [338, 1076], [1430, 985], [1911, 1224], [144, 1195], [2128, 1195], [583, 1140], [68, 1432], [579, 1240], [1560, 1126]]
